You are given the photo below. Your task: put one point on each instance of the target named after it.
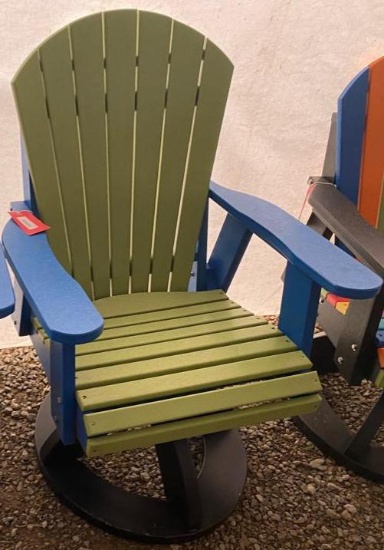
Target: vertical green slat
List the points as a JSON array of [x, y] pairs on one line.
[[120, 49], [31, 106], [87, 47], [154, 38], [187, 49], [58, 77], [216, 78]]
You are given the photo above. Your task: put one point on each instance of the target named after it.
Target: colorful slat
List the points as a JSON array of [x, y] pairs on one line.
[[158, 383], [120, 114], [371, 179], [360, 142], [351, 111]]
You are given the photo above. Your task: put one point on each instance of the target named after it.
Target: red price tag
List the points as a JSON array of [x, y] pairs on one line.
[[28, 222]]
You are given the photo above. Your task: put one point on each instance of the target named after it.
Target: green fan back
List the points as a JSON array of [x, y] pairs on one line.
[[120, 114]]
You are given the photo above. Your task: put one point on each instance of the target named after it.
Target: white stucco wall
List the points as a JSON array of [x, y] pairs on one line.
[[292, 59]]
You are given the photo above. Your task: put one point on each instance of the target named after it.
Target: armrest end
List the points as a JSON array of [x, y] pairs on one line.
[[58, 301]]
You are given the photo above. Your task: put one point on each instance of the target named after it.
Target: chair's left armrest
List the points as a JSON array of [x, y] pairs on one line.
[[57, 300], [310, 253], [7, 297]]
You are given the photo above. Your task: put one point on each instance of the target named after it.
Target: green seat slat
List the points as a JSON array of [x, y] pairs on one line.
[[170, 335], [179, 322], [175, 363], [202, 403], [190, 381], [120, 61], [184, 345], [170, 318], [132, 309], [172, 313], [143, 302], [193, 427]]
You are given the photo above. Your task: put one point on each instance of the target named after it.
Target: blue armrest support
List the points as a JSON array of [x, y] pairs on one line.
[[7, 297], [309, 252], [58, 301]]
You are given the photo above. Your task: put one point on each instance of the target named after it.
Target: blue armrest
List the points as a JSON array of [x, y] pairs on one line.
[[58, 301], [309, 252], [7, 297]]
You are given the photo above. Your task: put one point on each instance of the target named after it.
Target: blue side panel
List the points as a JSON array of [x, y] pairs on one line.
[[7, 298], [299, 308], [63, 399], [22, 314], [43, 352], [350, 135]]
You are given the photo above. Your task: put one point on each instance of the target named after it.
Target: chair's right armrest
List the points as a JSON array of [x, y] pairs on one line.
[[7, 297], [340, 215], [56, 299], [323, 263]]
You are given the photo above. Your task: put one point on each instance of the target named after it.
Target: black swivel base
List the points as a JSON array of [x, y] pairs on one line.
[[333, 437], [194, 506]]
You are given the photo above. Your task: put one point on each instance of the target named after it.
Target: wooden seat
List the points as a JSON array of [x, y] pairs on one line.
[[173, 366], [217, 370], [120, 115]]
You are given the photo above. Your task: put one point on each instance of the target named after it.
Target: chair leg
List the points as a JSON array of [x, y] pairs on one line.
[[204, 501], [333, 437], [180, 480], [355, 450]]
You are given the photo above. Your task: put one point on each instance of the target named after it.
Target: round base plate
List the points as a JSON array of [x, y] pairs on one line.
[[220, 485]]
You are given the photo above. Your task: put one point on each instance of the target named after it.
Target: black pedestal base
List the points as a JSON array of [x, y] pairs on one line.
[[195, 505]]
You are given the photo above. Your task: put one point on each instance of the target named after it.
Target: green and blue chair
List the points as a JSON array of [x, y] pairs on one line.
[[120, 115]]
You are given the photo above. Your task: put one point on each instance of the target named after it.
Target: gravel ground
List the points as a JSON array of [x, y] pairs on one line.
[[294, 498]]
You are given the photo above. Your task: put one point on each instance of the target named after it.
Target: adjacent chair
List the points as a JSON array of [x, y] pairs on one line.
[[120, 114], [347, 203]]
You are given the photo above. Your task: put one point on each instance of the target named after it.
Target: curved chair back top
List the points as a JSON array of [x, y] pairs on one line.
[[120, 115], [360, 142]]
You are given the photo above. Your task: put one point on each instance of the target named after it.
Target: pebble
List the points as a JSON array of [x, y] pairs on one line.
[[318, 464], [351, 508], [311, 489], [346, 515]]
